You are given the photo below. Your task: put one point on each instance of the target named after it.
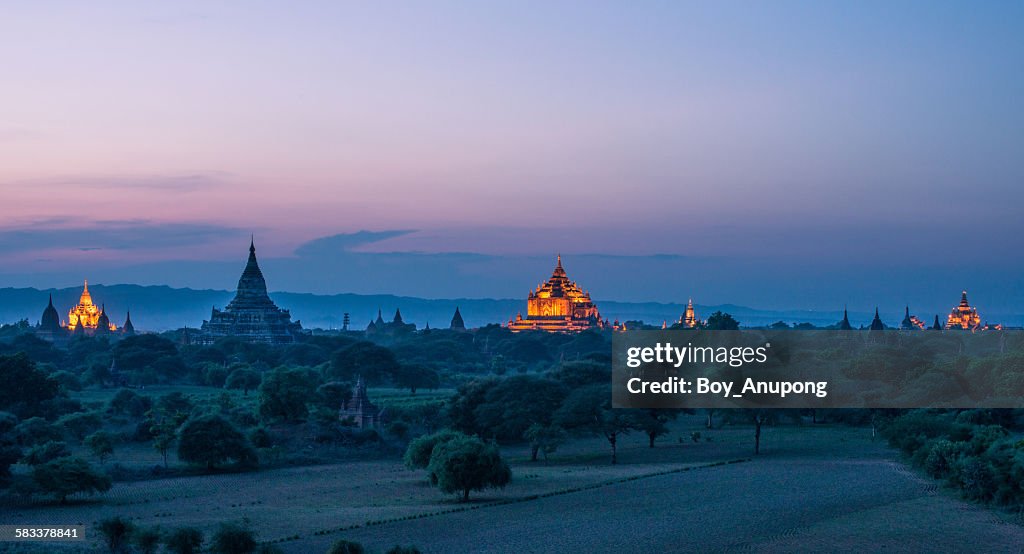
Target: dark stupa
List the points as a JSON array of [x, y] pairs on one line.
[[50, 321], [844, 325], [935, 326], [876, 324], [907, 324], [251, 316], [457, 323], [128, 329]]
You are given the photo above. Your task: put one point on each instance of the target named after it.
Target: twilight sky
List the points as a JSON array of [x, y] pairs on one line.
[[828, 152]]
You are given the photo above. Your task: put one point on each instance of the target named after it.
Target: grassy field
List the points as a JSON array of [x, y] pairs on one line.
[[813, 488]]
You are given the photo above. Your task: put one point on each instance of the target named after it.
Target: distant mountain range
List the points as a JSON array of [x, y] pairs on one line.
[[158, 308]]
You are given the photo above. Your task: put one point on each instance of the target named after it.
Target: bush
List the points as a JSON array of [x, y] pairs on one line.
[[184, 540], [942, 457], [146, 539], [232, 538], [346, 547], [116, 532]]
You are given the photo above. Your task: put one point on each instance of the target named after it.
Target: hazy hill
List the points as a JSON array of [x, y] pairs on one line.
[[158, 308]]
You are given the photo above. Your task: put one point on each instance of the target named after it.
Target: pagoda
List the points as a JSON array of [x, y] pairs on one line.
[[251, 316], [87, 315], [963, 316], [844, 325], [358, 411], [689, 317], [559, 305]]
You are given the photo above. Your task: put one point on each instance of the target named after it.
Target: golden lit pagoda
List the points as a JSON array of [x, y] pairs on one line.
[[86, 314], [558, 305], [689, 318], [963, 316]]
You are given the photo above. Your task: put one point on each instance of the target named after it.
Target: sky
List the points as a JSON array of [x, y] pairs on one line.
[[783, 154]]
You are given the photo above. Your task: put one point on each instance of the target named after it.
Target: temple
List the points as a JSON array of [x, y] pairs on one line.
[[963, 316], [358, 411], [251, 316], [844, 325], [876, 323], [910, 322], [457, 322], [689, 317], [396, 326], [86, 314], [558, 305]]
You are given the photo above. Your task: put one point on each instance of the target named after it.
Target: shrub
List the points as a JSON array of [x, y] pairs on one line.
[[232, 538], [941, 458], [68, 475], [116, 531], [184, 540], [346, 547]]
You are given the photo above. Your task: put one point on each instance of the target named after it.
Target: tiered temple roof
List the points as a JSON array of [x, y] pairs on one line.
[[251, 316], [358, 410], [963, 316], [559, 305]]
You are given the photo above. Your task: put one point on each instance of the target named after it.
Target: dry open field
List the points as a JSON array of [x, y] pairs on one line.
[[814, 488]]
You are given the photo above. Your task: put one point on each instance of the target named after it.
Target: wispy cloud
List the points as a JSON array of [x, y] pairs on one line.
[[178, 183], [346, 242], [111, 235]]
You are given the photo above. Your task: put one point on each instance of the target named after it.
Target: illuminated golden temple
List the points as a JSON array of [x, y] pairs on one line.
[[689, 318], [558, 305], [963, 316], [86, 314]]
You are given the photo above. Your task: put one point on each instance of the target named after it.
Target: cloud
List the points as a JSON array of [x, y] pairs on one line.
[[186, 182], [346, 242], [112, 235]]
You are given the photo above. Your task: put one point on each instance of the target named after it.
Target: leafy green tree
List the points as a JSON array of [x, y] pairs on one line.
[[417, 455], [467, 464], [116, 532], [243, 378], [284, 394], [65, 476], [129, 402], [654, 423], [589, 410], [25, 388], [81, 424], [101, 444], [511, 405], [720, 321], [10, 452], [42, 453], [164, 430], [374, 363], [415, 377], [233, 538], [36, 430], [184, 540], [343, 546], [210, 440], [544, 439]]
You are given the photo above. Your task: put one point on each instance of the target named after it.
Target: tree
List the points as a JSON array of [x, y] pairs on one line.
[[374, 363], [68, 475], [42, 453], [25, 388], [758, 417], [116, 532], [232, 538], [544, 438], [589, 410], [243, 378], [511, 405], [146, 539], [164, 430], [417, 455], [343, 546], [653, 422], [414, 377], [719, 321], [211, 440], [184, 540], [285, 392], [467, 464], [101, 444]]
